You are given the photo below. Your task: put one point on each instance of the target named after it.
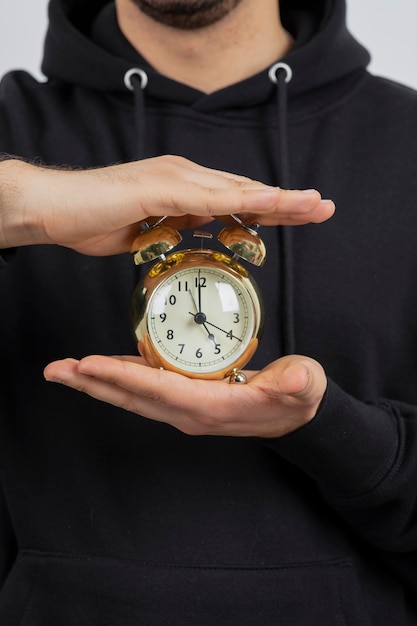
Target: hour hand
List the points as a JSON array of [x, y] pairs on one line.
[[194, 302], [200, 318]]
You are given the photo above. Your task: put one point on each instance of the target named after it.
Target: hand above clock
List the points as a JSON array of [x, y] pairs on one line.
[[98, 211], [277, 400]]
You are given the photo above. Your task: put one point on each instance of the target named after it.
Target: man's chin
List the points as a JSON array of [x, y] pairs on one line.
[[186, 14]]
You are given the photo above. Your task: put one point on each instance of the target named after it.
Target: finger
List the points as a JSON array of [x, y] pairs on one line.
[[268, 207], [160, 387], [208, 202], [296, 208], [66, 373]]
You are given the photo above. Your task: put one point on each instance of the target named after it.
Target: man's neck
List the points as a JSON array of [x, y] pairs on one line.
[[244, 42]]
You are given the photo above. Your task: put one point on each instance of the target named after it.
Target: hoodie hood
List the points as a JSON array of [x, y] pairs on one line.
[[74, 55]]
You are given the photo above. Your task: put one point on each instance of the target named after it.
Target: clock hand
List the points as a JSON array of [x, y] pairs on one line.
[[200, 315], [200, 318], [199, 291], [194, 302], [227, 332], [210, 335]]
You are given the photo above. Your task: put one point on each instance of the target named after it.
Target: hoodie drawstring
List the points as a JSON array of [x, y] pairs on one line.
[[281, 74], [136, 80]]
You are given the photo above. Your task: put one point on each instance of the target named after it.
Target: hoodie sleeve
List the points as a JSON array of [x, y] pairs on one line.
[[7, 539], [363, 457], [6, 256]]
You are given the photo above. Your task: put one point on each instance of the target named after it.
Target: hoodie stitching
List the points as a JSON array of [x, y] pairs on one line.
[[318, 563]]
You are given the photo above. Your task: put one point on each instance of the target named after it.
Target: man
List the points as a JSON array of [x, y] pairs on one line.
[[299, 507]]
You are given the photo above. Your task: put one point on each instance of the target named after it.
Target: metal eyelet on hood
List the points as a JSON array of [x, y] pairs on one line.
[[273, 71], [135, 71]]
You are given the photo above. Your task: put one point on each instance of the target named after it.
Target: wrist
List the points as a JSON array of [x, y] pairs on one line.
[[20, 222]]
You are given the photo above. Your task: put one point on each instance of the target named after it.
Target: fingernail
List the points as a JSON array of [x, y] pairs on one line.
[[269, 190], [309, 190], [55, 380]]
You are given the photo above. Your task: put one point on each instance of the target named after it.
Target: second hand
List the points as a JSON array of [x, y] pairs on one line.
[[227, 332]]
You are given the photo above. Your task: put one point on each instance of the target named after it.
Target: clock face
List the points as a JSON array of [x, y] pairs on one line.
[[201, 319]]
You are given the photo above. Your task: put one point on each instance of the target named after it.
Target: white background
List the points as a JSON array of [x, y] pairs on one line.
[[386, 27]]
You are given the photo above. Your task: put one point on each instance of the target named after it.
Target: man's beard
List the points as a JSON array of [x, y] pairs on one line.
[[186, 14]]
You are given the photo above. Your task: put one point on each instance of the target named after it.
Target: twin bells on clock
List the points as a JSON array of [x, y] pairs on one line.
[[198, 311]]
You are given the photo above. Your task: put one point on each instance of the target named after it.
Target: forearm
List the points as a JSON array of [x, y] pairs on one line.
[[362, 457]]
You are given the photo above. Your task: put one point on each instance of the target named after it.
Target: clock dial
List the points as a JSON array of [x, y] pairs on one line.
[[200, 319]]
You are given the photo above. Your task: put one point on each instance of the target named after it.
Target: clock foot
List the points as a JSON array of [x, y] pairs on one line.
[[236, 376]]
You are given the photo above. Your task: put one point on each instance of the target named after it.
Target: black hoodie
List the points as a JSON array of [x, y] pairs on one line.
[[110, 519]]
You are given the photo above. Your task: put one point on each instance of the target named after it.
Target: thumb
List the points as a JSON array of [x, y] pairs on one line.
[[304, 383], [297, 380]]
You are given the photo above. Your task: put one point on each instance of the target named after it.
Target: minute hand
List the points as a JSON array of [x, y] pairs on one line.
[[199, 291], [226, 332]]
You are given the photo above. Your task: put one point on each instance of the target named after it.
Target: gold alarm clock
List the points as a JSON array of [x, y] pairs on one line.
[[198, 311]]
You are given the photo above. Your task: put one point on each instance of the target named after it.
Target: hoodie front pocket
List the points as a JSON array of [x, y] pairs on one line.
[[52, 590]]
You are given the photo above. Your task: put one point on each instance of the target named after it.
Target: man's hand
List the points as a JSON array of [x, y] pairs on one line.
[[282, 397], [98, 211]]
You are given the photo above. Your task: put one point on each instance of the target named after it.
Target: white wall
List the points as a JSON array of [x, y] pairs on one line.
[[22, 29], [386, 27], [388, 30]]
